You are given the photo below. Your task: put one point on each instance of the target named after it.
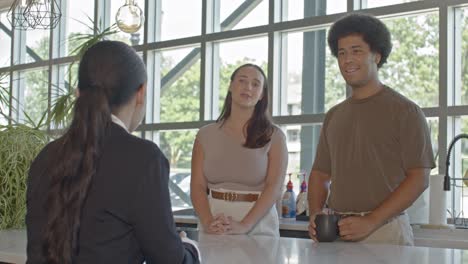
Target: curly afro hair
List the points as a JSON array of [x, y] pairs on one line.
[[372, 30]]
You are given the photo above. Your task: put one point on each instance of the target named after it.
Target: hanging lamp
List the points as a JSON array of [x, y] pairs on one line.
[[129, 17], [34, 14]]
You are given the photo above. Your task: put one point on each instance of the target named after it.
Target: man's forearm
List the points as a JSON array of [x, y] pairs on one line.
[[318, 191], [405, 194]]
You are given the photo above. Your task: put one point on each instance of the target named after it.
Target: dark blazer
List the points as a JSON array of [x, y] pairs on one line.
[[127, 216]]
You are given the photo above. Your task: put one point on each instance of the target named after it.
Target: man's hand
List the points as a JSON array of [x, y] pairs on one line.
[[312, 226], [356, 228]]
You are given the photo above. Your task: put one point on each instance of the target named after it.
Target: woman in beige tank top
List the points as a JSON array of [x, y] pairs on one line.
[[239, 162]]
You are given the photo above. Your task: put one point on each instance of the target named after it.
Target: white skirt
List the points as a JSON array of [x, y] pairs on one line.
[[266, 226]]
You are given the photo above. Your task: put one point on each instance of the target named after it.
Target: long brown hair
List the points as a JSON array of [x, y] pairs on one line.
[[109, 75], [259, 126]]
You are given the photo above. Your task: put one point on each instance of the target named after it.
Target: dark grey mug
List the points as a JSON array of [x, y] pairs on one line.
[[326, 227]]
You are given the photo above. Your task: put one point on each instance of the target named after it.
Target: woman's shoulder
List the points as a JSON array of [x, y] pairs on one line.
[[278, 133], [43, 156], [210, 128], [134, 144], [147, 147], [208, 132]]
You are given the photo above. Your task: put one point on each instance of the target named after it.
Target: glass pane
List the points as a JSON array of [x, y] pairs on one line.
[[177, 147], [413, 66], [294, 9], [377, 3], [37, 45], [462, 85], [180, 85], [63, 87], [236, 14], [137, 133], [459, 169], [79, 16], [34, 94], [4, 97], [235, 53], [313, 83], [433, 124], [177, 22], [5, 40], [302, 144], [418, 212], [129, 38]]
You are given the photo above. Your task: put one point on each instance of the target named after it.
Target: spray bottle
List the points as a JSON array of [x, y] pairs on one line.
[[288, 203], [301, 203]]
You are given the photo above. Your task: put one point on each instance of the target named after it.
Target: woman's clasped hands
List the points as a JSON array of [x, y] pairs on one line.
[[221, 224]]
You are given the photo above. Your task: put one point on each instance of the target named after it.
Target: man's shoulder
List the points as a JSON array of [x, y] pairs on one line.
[[336, 108], [402, 102]]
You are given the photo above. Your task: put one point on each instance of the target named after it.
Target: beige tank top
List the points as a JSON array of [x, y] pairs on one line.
[[229, 165]]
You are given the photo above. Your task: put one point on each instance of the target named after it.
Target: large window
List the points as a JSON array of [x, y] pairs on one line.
[[413, 65], [190, 54], [5, 40], [377, 3], [460, 95], [78, 19], [4, 97], [37, 45], [179, 95], [177, 146], [311, 83], [232, 54], [32, 95], [177, 22], [297, 9], [236, 14]]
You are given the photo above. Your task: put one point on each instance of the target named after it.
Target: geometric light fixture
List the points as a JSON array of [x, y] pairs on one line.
[[129, 17], [34, 14]]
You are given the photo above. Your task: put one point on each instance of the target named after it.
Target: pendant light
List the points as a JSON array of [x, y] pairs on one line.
[[34, 14], [129, 17]]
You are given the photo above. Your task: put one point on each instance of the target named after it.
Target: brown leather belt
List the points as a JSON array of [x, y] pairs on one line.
[[234, 197]]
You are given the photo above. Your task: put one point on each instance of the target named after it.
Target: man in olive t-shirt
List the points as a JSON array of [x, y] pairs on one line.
[[374, 154]]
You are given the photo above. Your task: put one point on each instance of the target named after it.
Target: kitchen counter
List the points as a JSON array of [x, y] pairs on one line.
[[245, 249], [249, 249], [441, 238], [13, 246], [285, 224]]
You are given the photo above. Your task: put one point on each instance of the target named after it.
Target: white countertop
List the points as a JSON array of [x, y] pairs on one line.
[[285, 224], [13, 246], [257, 249], [250, 249], [441, 238]]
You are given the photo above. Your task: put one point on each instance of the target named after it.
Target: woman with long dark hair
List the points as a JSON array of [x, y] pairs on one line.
[[99, 194], [239, 162]]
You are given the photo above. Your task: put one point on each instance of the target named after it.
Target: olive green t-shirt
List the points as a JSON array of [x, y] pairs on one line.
[[366, 145]]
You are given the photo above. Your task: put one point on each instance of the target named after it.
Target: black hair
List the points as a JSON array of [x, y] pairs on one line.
[[373, 31], [109, 75]]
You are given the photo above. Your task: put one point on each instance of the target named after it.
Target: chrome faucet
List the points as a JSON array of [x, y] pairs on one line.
[[447, 162]]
